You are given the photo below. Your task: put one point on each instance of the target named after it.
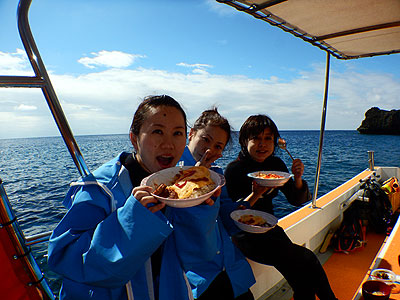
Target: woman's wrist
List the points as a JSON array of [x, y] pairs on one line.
[[298, 183], [252, 198]]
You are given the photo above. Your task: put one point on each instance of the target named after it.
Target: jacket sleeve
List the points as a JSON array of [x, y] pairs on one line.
[[296, 196], [95, 246], [293, 195], [227, 206], [238, 184]]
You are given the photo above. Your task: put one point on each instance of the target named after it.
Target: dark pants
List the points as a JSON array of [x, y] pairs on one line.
[[221, 289], [299, 265]]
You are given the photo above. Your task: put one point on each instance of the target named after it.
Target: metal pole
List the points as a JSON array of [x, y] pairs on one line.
[[322, 131], [42, 79], [371, 163]]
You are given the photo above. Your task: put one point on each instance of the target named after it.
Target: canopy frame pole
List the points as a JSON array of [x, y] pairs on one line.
[[42, 80], [322, 131]]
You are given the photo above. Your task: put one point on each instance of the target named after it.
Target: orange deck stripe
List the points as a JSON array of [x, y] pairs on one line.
[[346, 271], [322, 201], [388, 258]]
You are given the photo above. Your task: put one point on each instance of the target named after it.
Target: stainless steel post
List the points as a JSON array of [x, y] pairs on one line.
[[42, 80], [371, 160], [322, 131]]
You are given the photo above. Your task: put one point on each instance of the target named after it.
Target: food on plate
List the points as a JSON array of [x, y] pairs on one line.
[[189, 183], [253, 220], [269, 176], [382, 275]]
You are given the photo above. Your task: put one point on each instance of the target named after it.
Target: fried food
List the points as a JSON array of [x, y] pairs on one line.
[[253, 220], [189, 183]]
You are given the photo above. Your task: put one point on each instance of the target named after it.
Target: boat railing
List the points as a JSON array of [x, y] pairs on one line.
[[37, 238], [18, 264], [42, 80], [8, 220]]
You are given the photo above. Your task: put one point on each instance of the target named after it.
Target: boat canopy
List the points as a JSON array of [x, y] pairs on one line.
[[346, 29]]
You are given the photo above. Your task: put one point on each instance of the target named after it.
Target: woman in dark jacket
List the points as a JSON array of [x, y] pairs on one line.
[[258, 139]]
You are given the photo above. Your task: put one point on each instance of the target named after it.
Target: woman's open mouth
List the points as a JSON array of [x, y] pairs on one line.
[[165, 161]]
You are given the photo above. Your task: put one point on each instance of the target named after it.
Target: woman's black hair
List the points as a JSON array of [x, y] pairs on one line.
[[213, 118], [147, 104], [253, 126]]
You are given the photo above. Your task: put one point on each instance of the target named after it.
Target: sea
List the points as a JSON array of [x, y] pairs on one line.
[[36, 172]]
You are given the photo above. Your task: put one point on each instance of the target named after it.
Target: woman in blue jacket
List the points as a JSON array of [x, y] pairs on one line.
[[115, 242], [215, 253]]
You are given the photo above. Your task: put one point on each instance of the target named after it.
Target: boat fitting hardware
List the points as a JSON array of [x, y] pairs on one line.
[[15, 256], [371, 160], [36, 282]]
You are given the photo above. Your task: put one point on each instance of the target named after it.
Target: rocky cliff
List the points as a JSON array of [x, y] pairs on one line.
[[378, 121]]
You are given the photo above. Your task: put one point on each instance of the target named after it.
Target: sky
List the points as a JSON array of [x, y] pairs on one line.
[[104, 57]]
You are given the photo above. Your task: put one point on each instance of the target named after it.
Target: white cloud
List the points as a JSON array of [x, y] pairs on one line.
[[14, 63], [113, 59], [103, 102], [23, 107], [197, 68]]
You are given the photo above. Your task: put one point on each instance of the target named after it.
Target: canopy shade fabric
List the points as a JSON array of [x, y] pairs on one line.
[[345, 28]]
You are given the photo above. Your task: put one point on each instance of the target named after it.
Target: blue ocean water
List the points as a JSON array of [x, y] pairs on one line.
[[36, 172]]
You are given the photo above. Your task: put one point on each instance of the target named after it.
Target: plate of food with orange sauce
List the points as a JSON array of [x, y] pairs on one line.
[[184, 186], [270, 178]]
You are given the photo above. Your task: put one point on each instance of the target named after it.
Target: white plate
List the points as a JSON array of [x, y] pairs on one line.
[[392, 277], [271, 182], [271, 220], [166, 176]]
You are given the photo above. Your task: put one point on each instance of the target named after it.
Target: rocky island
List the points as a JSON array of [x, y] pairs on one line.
[[379, 121]]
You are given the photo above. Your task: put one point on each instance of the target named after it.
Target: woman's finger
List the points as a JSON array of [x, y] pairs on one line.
[[204, 161], [146, 200], [297, 167], [157, 207], [217, 192], [209, 201], [141, 190], [259, 189], [142, 194]]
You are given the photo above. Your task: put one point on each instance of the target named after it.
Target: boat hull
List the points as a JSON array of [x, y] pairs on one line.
[[309, 226]]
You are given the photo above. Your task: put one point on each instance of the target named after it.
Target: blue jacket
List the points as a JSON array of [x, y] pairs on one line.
[[105, 241], [203, 244]]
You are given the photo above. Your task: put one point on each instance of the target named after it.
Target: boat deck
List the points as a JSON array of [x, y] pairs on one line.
[[387, 258], [346, 271]]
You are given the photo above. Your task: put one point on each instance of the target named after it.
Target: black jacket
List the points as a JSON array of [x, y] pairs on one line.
[[239, 184]]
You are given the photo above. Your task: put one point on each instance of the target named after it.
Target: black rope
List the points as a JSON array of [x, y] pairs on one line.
[[23, 254], [36, 282], [8, 223]]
